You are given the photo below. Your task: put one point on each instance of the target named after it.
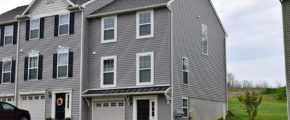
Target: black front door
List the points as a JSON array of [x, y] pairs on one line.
[[143, 109], [60, 106]]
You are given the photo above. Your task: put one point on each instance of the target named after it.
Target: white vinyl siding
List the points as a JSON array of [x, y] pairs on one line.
[[108, 71], [64, 24], [62, 64], [204, 42], [8, 35], [109, 29], [185, 107], [145, 24], [6, 71], [34, 29], [145, 68], [185, 68], [33, 66]]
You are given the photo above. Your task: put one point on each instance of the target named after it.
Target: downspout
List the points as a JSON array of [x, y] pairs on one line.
[[81, 62], [171, 56], [16, 67]]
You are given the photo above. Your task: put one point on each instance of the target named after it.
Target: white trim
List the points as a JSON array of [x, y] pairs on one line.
[[81, 65], [4, 44], [30, 56], [6, 95], [67, 113], [187, 107], [204, 31], [168, 85], [62, 51], [114, 28], [87, 3], [102, 71], [6, 60], [185, 71], [138, 36], [118, 94], [59, 24], [138, 55], [34, 29], [32, 93], [152, 98]]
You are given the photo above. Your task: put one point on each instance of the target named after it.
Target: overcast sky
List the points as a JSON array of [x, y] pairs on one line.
[[255, 41]]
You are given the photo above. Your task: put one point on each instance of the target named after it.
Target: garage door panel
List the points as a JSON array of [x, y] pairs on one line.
[[35, 104], [113, 110]]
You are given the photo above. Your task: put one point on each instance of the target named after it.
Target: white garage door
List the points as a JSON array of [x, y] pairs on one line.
[[113, 110], [8, 100], [35, 104]]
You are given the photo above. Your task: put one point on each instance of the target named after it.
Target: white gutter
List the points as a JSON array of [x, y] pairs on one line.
[[32, 93], [16, 67], [168, 98], [81, 62], [8, 22], [127, 10], [87, 3], [118, 94]]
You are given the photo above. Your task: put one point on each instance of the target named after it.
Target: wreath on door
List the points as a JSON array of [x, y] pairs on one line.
[[59, 102]]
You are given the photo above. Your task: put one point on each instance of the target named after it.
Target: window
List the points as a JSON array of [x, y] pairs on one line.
[[64, 24], [62, 63], [33, 66], [98, 104], [145, 24], [145, 68], [185, 67], [6, 68], [204, 39], [113, 104], [108, 71], [23, 98], [30, 98], [34, 29], [7, 107], [8, 35], [121, 104], [185, 107], [42, 97], [36, 97], [106, 104], [109, 29]]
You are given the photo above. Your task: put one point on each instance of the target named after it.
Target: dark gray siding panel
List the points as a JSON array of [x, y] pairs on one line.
[[286, 19], [47, 47], [207, 79], [127, 46]]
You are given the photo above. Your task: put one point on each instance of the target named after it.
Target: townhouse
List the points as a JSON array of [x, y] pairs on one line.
[[286, 23], [114, 60]]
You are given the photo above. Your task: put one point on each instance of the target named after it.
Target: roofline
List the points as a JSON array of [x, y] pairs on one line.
[[127, 10], [8, 22], [226, 34], [32, 3]]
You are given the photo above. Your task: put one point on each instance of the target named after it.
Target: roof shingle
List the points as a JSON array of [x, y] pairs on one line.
[[11, 14]]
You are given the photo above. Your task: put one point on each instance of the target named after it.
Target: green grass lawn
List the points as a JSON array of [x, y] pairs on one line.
[[270, 109]]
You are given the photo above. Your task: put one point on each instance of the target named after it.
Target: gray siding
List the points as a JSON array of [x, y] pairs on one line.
[[7, 51], [207, 79], [286, 22], [47, 47], [126, 48]]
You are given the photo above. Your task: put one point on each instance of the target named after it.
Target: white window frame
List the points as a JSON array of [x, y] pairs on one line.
[[34, 29], [8, 35], [185, 71], [63, 24], [115, 29], [138, 36], [102, 71], [33, 54], [6, 60], [138, 55], [63, 51], [204, 31], [187, 107]]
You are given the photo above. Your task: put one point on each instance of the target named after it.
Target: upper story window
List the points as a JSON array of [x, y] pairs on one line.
[[33, 66], [204, 39], [62, 63], [34, 29], [109, 29], [108, 71], [8, 35], [64, 21], [6, 71], [185, 67], [145, 68], [145, 24], [185, 107]]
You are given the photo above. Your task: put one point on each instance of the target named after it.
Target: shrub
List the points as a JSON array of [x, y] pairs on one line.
[[269, 91], [282, 95], [251, 100]]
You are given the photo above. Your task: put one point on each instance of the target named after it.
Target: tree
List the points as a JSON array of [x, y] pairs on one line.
[[251, 101]]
